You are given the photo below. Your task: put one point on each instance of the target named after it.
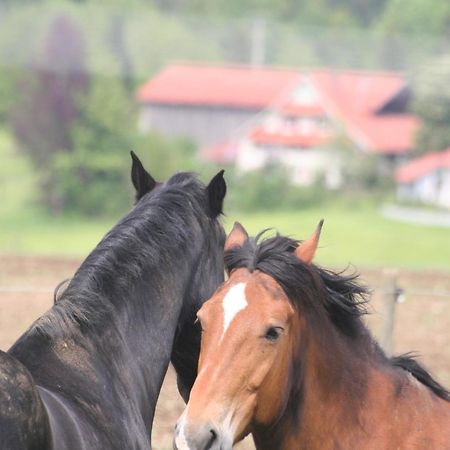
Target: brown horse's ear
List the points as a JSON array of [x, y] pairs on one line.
[[237, 237], [307, 249], [143, 182]]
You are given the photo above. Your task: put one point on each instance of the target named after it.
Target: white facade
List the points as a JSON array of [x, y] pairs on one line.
[[306, 165], [433, 188]]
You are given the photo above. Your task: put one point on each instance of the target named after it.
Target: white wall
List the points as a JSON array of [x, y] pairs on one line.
[[305, 165], [433, 189]]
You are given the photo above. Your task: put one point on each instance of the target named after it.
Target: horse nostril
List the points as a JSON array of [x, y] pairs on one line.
[[212, 439]]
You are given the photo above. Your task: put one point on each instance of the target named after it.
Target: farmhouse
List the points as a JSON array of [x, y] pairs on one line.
[[426, 179], [208, 103], [252, 117]]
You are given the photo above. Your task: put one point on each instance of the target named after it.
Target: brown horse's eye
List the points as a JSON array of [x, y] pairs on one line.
[[273, 333]]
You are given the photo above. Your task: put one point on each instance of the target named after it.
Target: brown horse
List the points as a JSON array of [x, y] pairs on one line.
[[286, 356]]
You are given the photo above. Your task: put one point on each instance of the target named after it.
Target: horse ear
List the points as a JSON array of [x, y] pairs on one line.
[[307, 249], [143, 182], [238, 235], [216, 190]]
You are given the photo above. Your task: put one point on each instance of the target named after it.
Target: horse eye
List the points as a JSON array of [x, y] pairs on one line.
[[273, 333]]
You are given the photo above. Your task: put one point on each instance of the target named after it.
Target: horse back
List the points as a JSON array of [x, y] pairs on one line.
[[431, 428], [414, 417], [23, 418]]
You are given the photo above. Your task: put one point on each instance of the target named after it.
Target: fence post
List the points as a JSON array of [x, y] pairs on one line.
[[391, 293]]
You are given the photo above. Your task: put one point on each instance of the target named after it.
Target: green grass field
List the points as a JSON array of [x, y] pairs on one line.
[[359, 236], [352, 234]]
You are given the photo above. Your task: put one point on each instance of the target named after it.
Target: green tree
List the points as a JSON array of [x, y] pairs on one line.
[[93, 179], [8, 91], [164, 156], [432, 105], [43, 117], [311, 12], [416, 17], [270, 188]]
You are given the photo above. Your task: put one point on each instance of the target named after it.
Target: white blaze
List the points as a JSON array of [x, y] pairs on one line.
[[233, 302]]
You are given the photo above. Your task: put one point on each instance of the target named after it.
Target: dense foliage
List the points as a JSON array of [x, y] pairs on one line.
[[270, 189], [70, 70], [47, 107], [432, 105]]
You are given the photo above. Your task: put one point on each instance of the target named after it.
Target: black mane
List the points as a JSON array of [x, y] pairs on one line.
[[312, 288], [95, 362], [408, 362], [166, 218], [309, 287]]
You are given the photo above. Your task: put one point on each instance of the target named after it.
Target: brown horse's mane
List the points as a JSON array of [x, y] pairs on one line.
[[319, 292]]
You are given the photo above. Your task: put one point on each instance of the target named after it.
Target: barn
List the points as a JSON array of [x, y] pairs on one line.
[[426, 179], [301, 129], [251, 117], [208, 103]]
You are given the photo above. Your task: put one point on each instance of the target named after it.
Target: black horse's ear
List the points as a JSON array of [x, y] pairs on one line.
[[216, 190], [143, 182]]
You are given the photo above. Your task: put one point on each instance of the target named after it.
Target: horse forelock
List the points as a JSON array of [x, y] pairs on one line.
[[310, 288]]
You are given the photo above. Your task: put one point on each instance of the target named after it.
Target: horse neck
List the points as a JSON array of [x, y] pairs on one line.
[[326, 393], [129, 352]]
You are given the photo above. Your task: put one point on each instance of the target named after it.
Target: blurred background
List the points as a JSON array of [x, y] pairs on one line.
[[334, 109]]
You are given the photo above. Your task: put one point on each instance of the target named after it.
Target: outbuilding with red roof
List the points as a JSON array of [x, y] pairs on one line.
[[426, 179]]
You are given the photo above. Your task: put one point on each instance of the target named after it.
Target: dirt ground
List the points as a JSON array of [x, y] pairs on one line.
[[422, 322]]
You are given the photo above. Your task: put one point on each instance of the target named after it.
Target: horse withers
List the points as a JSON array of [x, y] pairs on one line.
[[286, 356], [87, 374]]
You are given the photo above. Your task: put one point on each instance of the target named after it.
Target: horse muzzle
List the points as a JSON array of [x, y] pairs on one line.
[[204, 437]]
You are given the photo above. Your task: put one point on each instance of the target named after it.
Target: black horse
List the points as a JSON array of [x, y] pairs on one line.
[[87, 374]]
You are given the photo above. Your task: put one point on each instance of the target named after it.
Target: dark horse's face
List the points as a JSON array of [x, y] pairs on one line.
[[206, 273]]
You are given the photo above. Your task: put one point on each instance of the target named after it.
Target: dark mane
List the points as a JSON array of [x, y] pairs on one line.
[[312, 288], [166, 218], [408, 362], [309, 287]]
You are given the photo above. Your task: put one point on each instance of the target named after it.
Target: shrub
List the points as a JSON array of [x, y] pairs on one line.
[[270, 189]]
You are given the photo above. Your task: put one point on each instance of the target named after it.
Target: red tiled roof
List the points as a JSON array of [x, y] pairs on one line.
[[354, 98], [235, 86], [357, 91], [419, 167], [391, 134]]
